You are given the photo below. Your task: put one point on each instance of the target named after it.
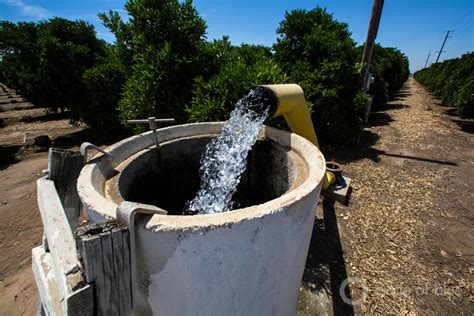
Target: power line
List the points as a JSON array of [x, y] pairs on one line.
[[465, 25], [462, 19]]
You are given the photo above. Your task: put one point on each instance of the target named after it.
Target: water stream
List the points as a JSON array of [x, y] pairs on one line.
[[225, 157]]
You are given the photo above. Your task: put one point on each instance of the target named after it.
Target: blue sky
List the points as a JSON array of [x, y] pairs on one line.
[[416, 27]]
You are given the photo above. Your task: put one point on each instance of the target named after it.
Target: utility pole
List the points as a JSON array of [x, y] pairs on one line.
[[442, 46], [369, 42], [427, 59]]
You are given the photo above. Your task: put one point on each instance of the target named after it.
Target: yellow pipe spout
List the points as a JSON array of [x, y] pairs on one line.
[[291, 103]]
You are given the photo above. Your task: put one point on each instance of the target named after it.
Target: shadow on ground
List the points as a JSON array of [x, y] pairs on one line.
[[368, 139], [401, 94], [465, 125], [325, 268], [45, 117], [14, 153], [395, 106], [348, 153], [365, 150], [87, 135], [8, 156], [451, 111], [379, 119]]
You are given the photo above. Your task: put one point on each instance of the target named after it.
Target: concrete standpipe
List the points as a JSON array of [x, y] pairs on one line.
[[248, 261]]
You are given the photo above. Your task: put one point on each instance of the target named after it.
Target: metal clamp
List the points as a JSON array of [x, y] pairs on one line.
[[126, 213], [86, 146]]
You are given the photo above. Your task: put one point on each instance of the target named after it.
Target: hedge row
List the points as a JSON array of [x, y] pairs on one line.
[[162, 65], [390, 69], [452, 81], [46, 61]]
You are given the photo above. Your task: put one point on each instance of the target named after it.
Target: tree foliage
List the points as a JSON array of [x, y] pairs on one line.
[[67, 49], [236, 70], [390, 68], [318, 53], [19, 56], [103, 86], [165, 40], [46, 61], [453, 82], [162, 65]]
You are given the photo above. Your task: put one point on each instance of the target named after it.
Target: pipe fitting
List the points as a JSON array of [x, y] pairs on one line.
[[291, 103]]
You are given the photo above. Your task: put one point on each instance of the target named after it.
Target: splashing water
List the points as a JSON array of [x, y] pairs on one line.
[[225, 157]]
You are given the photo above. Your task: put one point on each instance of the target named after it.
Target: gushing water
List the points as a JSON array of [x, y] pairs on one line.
[[225, 157]]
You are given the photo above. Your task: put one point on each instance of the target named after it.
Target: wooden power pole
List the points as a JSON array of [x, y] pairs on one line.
[[440, 51], [442, 46], [427, 59], [369, 42]]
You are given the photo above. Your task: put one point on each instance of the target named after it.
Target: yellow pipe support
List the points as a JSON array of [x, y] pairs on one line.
[[292, 104]]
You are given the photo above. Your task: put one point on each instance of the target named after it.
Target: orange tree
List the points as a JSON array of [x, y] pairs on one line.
[[46, 61], [453, 82], [318, 53]]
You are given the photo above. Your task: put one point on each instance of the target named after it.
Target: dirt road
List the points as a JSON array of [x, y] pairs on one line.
[[20, 231], [407, 236], [21, 164]]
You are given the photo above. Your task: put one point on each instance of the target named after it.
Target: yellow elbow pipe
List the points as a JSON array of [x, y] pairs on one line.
[[291, 103]]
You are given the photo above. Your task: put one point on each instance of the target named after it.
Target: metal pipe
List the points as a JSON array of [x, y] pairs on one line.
[[86, 146], [291, 103]]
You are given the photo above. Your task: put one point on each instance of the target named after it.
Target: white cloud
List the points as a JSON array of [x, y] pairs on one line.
[[28, 10]]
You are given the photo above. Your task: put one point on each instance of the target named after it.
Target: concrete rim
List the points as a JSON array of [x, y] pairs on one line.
[[91, 182]]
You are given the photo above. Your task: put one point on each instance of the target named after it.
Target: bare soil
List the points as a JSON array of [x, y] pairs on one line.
[[406, 239], [407, 235], [21, 164]]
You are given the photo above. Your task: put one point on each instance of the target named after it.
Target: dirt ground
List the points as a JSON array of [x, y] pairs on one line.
[[406, 238], [21, 163]]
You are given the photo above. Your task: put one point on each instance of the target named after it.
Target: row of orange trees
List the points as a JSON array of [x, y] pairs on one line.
[[452, 81], [390, 68], [162, 65]]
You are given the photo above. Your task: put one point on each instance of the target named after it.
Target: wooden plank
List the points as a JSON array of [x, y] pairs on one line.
[[107, 256], [126, 282], [64, 167], [117, 262], [106, 260], [91, 251]]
